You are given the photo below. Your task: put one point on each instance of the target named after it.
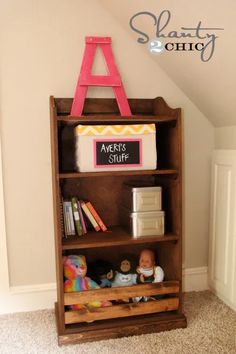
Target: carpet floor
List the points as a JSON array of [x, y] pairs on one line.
[[211, 330]]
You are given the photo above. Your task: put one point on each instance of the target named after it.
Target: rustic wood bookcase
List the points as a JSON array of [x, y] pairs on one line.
[[104, 190]]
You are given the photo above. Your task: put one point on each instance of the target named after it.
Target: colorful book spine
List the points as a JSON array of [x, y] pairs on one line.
[[84, 228], [96, 216], [68, 217], [66, 229], [89, 215], [78, 226], [62, 219]]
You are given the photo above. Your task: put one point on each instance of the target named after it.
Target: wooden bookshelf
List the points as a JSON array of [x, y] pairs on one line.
[[104, 191]]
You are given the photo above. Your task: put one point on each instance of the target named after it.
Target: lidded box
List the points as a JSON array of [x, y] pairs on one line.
[[115, 147], [147, 223], [140, 196], [140, 211]]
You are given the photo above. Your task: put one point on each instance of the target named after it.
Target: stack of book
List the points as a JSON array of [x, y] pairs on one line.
[[77, 215]]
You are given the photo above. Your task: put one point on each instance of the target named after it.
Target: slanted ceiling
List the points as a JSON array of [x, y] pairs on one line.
[[211, 85]]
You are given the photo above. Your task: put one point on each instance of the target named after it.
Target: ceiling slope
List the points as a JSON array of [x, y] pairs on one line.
[[209, 85]]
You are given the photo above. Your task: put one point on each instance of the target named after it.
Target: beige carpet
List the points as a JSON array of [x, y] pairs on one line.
[[211, 329]]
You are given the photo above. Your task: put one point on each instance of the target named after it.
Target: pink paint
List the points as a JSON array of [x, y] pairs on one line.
[[117, 141], [87, 79]]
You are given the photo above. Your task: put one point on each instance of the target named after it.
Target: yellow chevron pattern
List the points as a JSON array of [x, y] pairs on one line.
[[131, 129]]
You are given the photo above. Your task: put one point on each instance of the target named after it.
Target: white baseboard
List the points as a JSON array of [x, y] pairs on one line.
[[28, 298], [43, 296], [195, 279]]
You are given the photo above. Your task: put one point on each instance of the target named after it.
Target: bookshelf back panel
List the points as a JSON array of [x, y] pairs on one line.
[[105, 194], [166, 142], [168, 149], [168, 257]]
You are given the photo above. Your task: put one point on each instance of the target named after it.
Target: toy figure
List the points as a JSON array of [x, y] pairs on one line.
[[102, 273], [75, 269], [147, 271], [124, 275]]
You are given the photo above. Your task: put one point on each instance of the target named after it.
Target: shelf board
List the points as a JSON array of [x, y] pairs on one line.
[[101, 118], [116, 236], [117, 173]]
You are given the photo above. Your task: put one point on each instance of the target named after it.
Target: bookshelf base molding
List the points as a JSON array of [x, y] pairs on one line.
[[100, 330]]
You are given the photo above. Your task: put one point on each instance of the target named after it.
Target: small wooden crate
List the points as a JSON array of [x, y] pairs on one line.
[[123, 310]]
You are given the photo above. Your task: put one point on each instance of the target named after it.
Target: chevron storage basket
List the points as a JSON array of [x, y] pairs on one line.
[[115, 147]]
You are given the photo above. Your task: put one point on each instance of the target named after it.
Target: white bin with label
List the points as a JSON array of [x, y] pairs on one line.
[[115, 147]]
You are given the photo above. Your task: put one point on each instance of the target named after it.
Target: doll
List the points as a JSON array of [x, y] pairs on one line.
[[147, 271]]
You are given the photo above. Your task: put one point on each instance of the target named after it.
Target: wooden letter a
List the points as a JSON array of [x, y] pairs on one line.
[[87, 79]]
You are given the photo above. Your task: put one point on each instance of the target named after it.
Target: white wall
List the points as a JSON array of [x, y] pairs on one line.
[[226, 137], [42, 45], [210, 85]]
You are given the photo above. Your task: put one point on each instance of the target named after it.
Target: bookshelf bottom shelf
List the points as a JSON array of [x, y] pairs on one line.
[[124, 310], [119, 327]]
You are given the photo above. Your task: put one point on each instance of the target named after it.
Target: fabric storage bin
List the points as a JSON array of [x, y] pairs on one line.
[[140, 196], [147, 223], [115, 147]]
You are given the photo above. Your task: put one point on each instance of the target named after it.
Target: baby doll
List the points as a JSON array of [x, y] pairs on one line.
[[147, 271]]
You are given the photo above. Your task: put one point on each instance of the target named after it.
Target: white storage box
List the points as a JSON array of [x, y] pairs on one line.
[[115, 147], [147, 223], [140, 196]]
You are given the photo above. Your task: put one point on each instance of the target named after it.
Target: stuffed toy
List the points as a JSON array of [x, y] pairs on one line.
[[124, 275], [101, 271], [147, 271], [75, 269]]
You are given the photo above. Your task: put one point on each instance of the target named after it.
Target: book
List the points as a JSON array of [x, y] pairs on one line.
[[83, 224], [71, 219], [96, 216], [68, 219], [89, 215], [78, 226], [62, 218]]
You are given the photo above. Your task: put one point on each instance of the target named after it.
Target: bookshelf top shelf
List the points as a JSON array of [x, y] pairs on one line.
[[116, 236], [111, 118], [104, 110], [66, 175]]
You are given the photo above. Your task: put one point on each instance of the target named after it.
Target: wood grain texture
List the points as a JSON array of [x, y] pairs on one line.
[[117, 328], [124, 310], [116, 293], [114, 119], [57, 212], [116, 236], [65, 175]]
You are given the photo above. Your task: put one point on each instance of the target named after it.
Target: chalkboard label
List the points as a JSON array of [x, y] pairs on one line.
[[117, 152]]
